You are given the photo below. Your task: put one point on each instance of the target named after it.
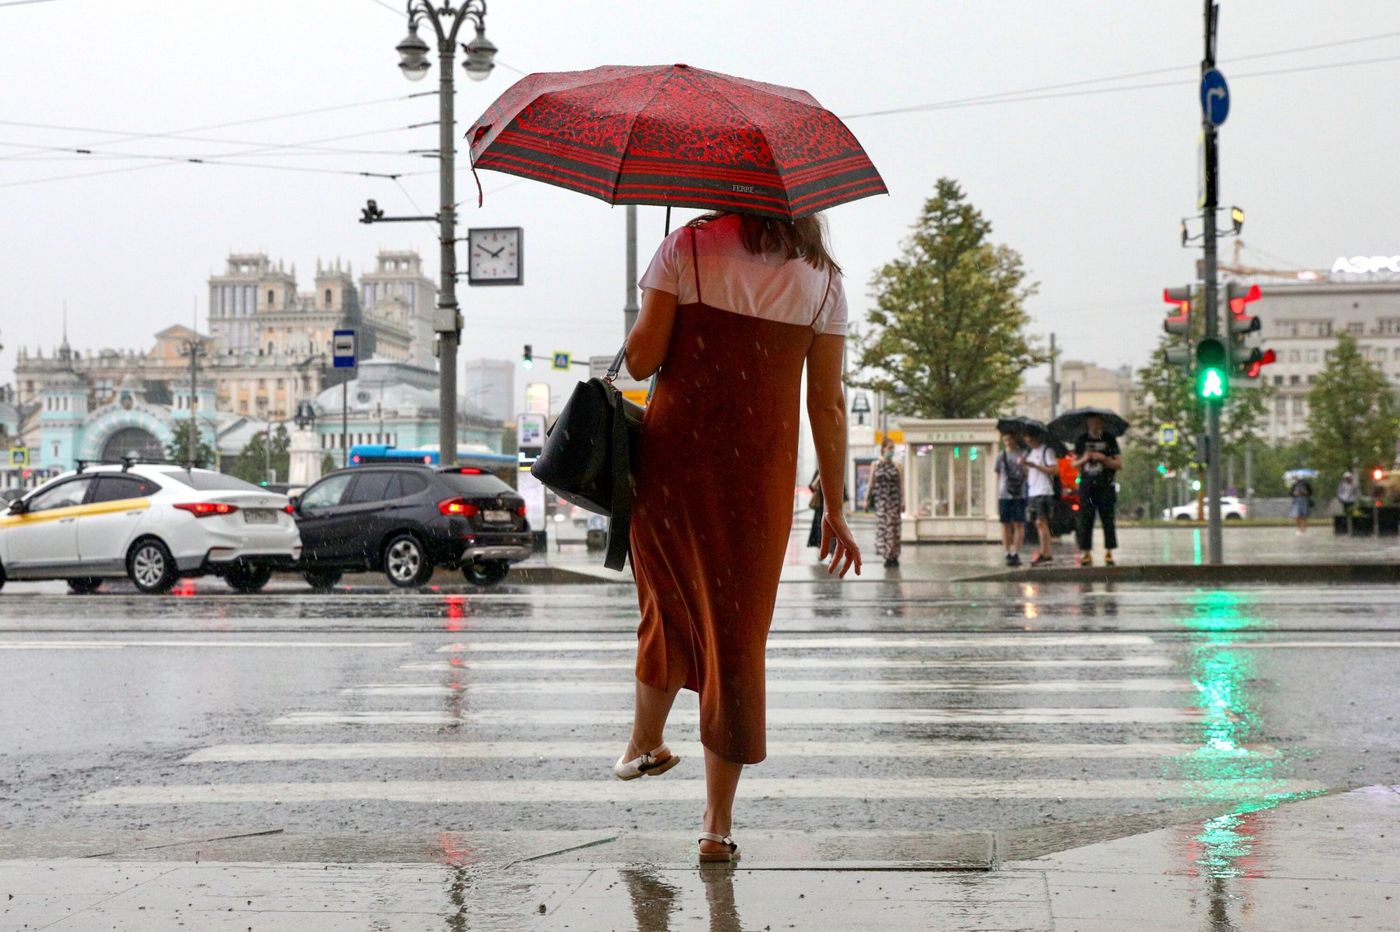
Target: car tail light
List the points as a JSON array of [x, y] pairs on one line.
[[458, 506], [468, 471], [289, 509], [206, 509], [520, 510]]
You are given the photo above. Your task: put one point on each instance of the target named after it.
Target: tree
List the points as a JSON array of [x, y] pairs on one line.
[[1353, 420], [947, 334], [257, 458], [328, 464], [1166, 394], [178, 449]]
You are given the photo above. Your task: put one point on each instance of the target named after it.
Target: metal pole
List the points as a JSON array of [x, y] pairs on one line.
[[194, 393], [449, 322], [1215, 539], [267, 455], [629, 307], [1054, 385], [344, 423]]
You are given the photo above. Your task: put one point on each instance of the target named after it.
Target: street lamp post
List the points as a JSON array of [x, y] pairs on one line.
[[447, 21]]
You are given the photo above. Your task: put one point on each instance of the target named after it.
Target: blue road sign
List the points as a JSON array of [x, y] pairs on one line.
[[562, 361], [343, 349], [1215, 97]]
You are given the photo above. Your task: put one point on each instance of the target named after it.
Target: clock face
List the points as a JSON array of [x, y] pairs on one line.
[[494, 256]]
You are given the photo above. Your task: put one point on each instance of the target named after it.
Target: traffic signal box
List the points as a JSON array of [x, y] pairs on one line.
[[1178, 323], [1246, 361], [527, 358]]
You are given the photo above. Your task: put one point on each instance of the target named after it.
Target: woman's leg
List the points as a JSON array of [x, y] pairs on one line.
[[649, 719], [721, 783]]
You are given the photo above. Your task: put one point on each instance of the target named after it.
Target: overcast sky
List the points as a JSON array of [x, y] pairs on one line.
[[1089, 187]]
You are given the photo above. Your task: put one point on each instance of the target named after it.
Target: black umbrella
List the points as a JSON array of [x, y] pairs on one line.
[[1031, 427], [1014, 424], [1070, 425]]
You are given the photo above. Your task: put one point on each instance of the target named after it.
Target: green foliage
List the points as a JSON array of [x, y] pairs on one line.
[[1353, 420], [947, 335], [328, 463], [178, 449], [1271, 462], [257, 457], [1166, 394]]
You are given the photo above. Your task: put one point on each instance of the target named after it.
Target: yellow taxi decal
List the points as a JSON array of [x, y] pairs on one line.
[[76, 511]]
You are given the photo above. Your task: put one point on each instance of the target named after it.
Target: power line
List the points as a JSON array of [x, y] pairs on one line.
[[1015, 95]]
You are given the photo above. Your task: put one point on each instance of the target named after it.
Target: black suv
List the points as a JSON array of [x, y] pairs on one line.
[[408, 519]]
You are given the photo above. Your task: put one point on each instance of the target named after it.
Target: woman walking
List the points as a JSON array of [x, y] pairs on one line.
[[886, 499], [734, 307]]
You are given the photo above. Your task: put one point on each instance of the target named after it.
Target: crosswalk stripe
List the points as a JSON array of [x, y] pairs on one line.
[[607, 750], [212, 642], [849, 643], [613, 687], [778, 716], [556, 664], [608, 791]]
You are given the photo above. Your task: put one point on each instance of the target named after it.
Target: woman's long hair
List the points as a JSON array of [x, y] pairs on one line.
[[803, 238]]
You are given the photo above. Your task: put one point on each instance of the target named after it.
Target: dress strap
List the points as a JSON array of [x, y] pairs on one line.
[[825, 297], [695, 261]]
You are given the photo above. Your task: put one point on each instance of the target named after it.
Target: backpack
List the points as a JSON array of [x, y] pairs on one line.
[[1014, 471]]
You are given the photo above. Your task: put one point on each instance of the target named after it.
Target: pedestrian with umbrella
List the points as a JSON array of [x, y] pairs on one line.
[[736, 305], [1096, 455], [1043, 465], [1011, 487]]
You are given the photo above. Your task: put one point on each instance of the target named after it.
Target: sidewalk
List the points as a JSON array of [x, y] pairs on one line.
[[1330, 862]]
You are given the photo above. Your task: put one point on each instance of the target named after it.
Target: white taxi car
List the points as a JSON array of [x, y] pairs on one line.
[[152, 523]]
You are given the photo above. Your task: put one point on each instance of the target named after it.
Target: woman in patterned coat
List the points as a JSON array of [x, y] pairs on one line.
[[886, 499]]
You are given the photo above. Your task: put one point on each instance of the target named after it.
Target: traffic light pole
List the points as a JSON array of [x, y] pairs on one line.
[[1215, 539]]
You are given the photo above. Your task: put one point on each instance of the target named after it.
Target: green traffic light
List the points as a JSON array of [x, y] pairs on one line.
[[1212, 370], [1212, 384]]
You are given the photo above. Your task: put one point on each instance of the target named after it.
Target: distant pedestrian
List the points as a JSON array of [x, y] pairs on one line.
[[886, 499], [1011, 496], [1098, 460], [1302, 504], [1347, 493], [1043, 466]]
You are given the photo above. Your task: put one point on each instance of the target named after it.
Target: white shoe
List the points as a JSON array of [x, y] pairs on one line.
[[652, 764]]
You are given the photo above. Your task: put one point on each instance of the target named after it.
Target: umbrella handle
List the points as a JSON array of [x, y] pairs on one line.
[[480, 197], [668, 222]]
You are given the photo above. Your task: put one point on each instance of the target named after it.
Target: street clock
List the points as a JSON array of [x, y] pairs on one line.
[[494, 256]]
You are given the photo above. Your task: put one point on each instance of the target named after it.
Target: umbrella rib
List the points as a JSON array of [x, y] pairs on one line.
[[719, 92]]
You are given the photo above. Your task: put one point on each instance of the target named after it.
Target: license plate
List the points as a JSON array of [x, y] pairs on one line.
[[496, 517], [259, 516]]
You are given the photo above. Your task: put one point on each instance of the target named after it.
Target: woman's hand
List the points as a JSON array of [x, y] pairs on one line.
[[840, 543]]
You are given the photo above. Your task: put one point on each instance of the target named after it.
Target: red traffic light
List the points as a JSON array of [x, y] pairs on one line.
[[1267, 357], [1239, 296]]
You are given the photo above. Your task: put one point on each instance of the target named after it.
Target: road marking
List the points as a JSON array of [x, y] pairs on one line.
[[607, 791], [607, 750], [556, 664], [1276, 645], [612, 687], [850, 643], [780, 716], [120, 645]]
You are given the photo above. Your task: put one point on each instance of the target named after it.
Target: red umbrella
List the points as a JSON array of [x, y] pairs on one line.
[[678, 136]]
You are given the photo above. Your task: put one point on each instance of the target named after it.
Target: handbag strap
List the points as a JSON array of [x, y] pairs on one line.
[[620, 525], [616, 365]]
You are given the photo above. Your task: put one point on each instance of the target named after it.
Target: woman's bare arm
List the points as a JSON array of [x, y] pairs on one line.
[[826, 409], [650, 337]]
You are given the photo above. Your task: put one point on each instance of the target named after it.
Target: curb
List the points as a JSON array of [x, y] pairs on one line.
[[1192, 574]]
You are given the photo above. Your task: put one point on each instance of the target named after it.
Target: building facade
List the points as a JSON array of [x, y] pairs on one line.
[[398, 291], [1301, 323], [1081, 385]]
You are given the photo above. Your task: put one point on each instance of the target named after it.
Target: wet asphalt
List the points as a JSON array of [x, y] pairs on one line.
[[893, 706]]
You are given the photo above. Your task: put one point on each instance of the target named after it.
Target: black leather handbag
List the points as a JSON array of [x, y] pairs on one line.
[[588, 453]]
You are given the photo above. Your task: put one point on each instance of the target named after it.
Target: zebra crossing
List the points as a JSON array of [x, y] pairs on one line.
[[520, 730]]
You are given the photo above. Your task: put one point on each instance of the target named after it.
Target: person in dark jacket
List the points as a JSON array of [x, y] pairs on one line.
[[1098, 460]]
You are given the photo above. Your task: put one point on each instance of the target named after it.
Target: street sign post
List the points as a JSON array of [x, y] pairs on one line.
[[19, 457], [529, 433], [562, 361], [1166, 435], [344, 350]]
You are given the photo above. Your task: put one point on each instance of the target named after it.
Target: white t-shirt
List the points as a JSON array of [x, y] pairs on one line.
[[734, 279], [1037, 482]]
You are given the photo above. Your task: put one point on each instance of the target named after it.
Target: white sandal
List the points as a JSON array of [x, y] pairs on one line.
[[722, 857], [652, 764]]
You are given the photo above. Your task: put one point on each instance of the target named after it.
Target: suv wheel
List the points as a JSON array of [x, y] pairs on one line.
[[321, 580], [247, 578], [405, 562], [485, 572], [151, 567], [84, 585]]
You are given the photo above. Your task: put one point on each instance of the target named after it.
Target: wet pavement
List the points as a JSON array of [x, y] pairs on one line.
[[410, 750]]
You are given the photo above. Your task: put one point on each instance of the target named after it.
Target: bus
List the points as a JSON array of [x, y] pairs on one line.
[[501, 465]]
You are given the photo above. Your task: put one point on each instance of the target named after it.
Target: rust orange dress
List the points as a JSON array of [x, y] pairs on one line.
[[713, 502]]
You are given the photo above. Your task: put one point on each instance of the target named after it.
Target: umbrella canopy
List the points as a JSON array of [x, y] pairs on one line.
[[676, 136], [1071, 424], [1032, 427], [1014, 424], [1293, 475]]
